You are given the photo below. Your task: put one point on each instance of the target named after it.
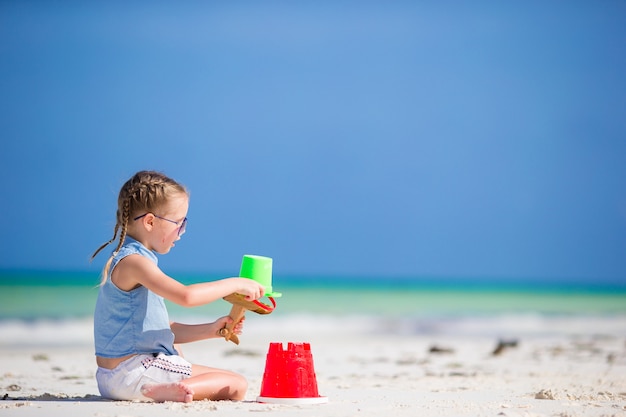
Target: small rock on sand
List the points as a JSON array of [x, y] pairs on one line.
[[545, 394]]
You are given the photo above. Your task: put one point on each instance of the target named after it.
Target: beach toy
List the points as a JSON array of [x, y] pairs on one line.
[[259, 269], [289, 376]]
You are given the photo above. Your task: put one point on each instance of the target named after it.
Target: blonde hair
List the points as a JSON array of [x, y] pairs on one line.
[[144, 192]]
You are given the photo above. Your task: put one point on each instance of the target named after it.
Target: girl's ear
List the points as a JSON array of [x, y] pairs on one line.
[[148, 221]]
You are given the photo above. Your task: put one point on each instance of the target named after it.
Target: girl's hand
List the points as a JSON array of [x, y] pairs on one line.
[[223, 321], [238, 329], [251, 289]]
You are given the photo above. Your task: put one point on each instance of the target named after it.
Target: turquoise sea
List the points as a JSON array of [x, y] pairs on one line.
[[33, 295], [46, 308]]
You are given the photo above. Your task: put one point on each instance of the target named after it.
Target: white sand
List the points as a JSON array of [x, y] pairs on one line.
[[362, 374]]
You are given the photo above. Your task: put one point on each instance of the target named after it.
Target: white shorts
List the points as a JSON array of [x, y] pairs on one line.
[[124, 382]]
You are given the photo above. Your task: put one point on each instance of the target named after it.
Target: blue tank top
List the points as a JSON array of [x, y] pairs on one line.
[[131, 322]]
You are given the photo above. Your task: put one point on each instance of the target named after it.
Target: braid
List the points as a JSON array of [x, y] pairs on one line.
[[124, 222], [104, 245]]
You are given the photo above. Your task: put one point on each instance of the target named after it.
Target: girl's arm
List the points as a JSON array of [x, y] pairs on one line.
[[186, 333], [135, 270]]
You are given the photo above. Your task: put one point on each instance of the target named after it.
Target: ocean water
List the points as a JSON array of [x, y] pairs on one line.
[[32, 295], [413, 306]]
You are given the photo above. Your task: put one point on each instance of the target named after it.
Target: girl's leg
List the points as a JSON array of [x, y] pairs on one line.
[[216, 384]]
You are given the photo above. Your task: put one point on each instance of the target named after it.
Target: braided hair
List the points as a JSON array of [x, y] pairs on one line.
[[143, 192]]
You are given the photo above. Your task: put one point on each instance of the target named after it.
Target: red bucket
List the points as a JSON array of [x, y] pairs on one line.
[[289, 376]]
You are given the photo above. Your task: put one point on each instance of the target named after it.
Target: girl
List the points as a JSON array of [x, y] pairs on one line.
[[134, 340]]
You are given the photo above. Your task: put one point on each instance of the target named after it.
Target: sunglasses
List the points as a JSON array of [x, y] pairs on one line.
[[181, 228]]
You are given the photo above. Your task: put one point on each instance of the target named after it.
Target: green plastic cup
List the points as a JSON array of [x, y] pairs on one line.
[[259, 268]]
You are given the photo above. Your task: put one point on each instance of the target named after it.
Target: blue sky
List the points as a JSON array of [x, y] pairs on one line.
[[482, 139]]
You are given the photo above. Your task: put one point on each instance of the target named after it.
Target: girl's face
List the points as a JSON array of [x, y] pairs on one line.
[[167, 223]]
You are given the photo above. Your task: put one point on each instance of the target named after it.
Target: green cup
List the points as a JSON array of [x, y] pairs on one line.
[[259, 268]]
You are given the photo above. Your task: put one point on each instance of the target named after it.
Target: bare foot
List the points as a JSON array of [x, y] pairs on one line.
[[176, 391]]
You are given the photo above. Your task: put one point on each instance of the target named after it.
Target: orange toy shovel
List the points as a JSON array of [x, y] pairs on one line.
[[238, 311]]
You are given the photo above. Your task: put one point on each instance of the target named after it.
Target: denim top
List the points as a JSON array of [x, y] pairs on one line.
[[131, 322]]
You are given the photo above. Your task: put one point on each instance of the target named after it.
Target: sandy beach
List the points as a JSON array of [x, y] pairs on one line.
[[362, 371]]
